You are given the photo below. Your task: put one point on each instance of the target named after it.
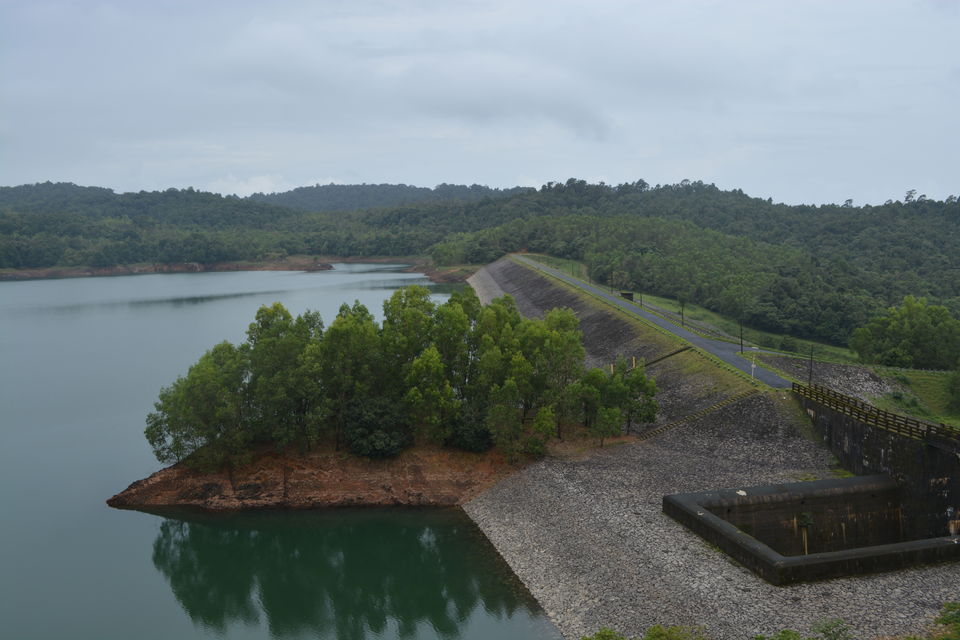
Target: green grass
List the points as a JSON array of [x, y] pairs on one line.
[[699, 315], [574, 268], [693, 362], [926, 397]]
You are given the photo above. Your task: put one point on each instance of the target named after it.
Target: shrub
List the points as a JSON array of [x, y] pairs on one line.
[[469, 432], [950, 618], [605, 634], [953, 388], [375, 428], [789, 343]]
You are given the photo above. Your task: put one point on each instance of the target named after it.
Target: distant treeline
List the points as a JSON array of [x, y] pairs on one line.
[[456, 374], [809, 271], [350, 197]]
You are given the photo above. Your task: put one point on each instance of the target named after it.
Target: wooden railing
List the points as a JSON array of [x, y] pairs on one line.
[[871, 415]]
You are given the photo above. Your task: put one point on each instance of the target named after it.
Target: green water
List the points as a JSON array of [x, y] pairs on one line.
[[81, 362]]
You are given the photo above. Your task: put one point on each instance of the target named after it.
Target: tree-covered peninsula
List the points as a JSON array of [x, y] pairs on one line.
[[455, 374]]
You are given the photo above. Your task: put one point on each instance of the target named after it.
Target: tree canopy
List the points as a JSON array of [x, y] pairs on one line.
[[455, 374], [914, 334], [809, 271]]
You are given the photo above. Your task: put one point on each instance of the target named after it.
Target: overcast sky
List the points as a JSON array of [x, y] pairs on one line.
[[800, 101]]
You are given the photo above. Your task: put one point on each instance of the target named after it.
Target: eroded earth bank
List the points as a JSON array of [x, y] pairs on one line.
[[588, 538], [426, 476]]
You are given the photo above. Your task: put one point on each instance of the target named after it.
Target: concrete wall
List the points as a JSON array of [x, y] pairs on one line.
[[803, 523], [699, 512], [928, 474]]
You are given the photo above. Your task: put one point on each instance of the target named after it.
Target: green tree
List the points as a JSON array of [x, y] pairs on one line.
[[349, 364], [607, 424], [541, 430], [201, 417], [503, 418], [522, 373], [407, 329], [590, 390], [284, 389], [376, 388], [430, 399], [914, 334], [376, 427], [454, 342], [560, 359], [640, 404]]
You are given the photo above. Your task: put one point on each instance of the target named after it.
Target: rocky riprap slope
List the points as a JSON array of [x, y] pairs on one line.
[[856, 380], [588, 537]]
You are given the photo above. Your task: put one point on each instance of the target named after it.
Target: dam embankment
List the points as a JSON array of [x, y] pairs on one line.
[[588, 537]]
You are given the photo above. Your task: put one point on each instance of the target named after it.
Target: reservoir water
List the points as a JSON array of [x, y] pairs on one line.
[[81, 363]]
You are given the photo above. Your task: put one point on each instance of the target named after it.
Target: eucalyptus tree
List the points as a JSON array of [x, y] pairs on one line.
[[454, 374], [202, 417], [430, 399], [283, 386], [349, 364], [504, 419], [407, 330]]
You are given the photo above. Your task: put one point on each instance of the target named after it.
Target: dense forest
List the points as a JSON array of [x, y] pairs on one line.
[[809, 271], [349, 197], [456, 374]]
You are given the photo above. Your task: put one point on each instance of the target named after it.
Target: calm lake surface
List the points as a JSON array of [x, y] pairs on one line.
[[81, 363]]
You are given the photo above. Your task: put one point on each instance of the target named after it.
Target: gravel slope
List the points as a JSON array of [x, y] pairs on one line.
[[589, 540]]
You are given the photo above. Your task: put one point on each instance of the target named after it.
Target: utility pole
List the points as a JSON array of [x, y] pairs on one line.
[[810, 374], [741, 335]]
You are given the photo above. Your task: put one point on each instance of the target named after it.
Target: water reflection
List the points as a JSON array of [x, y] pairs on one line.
[[174, 301], [343, 574]]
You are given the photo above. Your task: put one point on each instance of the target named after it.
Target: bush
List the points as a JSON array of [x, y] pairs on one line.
[[605, 634], [375, 428], [950, 618], [469, 433], [789, 343], [656, 632], [834, 629], [953, 388]]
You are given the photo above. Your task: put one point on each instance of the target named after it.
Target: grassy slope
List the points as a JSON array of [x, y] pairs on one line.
[[926, 396], [711, 320], [689, 381]]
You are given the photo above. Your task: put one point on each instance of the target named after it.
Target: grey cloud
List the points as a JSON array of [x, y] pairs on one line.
[[813, 101]]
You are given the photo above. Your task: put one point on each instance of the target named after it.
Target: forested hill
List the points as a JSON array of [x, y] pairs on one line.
[[349, 197], [53, 204], [810, 271]]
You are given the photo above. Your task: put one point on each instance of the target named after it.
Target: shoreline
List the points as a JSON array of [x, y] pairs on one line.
[[421, 476], [426, 476], [290, 263]]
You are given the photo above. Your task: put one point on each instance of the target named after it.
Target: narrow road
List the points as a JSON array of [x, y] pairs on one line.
[[726, 351]]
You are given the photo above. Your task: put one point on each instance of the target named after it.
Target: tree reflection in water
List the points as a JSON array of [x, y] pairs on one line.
[[345, 574]]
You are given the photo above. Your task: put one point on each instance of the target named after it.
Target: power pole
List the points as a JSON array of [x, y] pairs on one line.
[[741, 335], [810, 374]]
